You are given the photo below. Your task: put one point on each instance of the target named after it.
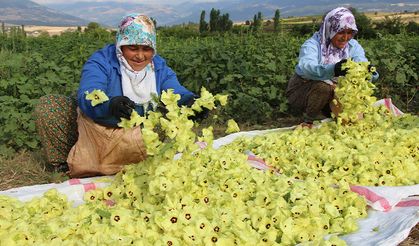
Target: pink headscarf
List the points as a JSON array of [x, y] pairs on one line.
[[335, 21]]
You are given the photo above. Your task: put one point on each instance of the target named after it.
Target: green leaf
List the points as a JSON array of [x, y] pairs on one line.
[[400, 78], [103, 213]]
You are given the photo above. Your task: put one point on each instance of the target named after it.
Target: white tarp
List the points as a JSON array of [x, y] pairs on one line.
[[393, 212]]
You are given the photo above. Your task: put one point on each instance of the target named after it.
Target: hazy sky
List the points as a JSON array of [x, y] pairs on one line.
[[122, 1]]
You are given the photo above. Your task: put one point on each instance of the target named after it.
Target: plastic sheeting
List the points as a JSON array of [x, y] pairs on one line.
[[393, 211]]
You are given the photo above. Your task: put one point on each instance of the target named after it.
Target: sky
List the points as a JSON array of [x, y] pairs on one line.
[[122, 1]]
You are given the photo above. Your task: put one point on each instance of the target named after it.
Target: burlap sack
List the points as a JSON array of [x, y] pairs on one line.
[[101, 150]]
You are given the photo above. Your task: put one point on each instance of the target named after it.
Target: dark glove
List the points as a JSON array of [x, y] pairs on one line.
[[199, 116], [162, 109], [372, 69], [338, 68], [121, 107]]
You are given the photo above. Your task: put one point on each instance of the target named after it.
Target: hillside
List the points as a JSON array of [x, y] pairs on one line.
[[25, 12], [110, 12]]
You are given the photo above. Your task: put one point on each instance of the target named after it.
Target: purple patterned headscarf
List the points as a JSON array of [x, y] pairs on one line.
[[335, 21]]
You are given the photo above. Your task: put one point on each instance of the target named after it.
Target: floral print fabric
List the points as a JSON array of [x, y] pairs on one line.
[[56, 123], [136, 29]]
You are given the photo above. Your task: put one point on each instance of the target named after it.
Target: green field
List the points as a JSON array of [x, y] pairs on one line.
[[252, 68]]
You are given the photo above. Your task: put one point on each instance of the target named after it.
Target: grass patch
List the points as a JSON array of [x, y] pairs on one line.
[[25, 169]]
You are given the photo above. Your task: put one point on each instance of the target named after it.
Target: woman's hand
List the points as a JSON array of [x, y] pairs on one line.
[[199, 116], [372, 69], [121, 107], [338, 68]]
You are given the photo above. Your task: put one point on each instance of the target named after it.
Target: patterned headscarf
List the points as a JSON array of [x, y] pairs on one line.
[[139, 86], [335, 21], [136, 29]]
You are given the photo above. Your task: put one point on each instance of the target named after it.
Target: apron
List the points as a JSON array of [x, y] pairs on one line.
[[102, 150]]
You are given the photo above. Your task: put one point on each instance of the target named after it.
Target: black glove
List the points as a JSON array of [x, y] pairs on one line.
[[121, 107], [199, 116], [372, 69], [162, 109], [338, 68]]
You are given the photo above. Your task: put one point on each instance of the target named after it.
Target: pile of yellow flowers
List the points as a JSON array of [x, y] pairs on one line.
[[354, 92], [213, 197], [371, 152]]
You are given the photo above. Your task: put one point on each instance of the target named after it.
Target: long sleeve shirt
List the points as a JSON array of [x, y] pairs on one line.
[[309, 61], [102, 72]]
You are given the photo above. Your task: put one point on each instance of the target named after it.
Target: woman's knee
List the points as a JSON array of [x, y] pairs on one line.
[[322, 88]]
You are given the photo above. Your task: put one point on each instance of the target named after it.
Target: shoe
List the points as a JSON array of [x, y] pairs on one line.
[[310, 119], [61, 168], [306, 125]]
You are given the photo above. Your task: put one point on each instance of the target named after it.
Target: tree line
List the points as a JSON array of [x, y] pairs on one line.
[[222, 23], [367, 29]]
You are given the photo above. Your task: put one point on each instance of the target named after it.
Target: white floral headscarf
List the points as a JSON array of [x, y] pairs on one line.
[[335, 21], [135, 29], [139, 86]]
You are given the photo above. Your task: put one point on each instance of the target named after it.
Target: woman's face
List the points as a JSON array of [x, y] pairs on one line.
[[137, 56], [342, 38]]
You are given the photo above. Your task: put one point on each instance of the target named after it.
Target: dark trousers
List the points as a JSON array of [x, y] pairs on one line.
[[309, 97]]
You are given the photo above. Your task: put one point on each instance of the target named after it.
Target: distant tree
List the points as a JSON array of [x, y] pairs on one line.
[[257, 22], [203, 25], [229, 23], [260, 19], [214, 20], [95, 30], [247, 23], [276, 20], [240, 29], [219, 23], [254, 23], [412, 27], [303, 29], [364, 25], [23, 31], [92, 26], [225, 23], [390, 25]]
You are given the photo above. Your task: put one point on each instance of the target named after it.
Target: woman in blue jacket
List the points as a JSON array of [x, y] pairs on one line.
[[131, 74], [311, 90]]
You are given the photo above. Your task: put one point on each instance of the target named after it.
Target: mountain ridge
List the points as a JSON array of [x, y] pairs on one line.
[[239, 10], [26, 12]]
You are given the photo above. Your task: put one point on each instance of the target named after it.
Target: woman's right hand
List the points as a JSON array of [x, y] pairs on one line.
[[338, 68], [121, 107]]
